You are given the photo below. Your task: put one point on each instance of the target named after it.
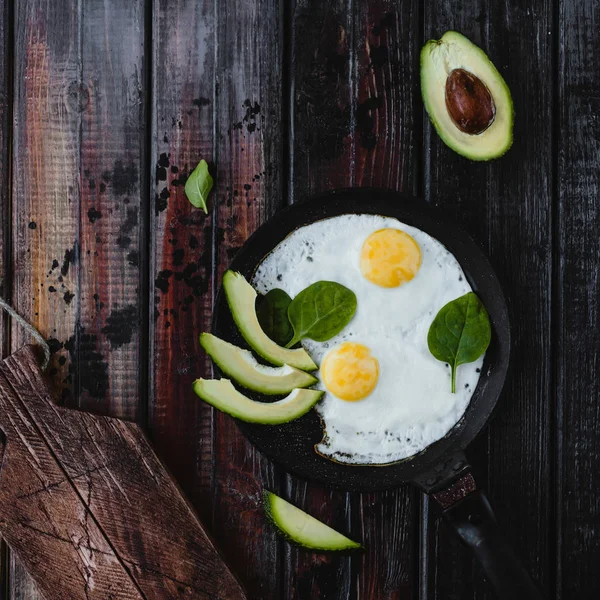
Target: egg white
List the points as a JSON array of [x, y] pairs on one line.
[[412, 405]]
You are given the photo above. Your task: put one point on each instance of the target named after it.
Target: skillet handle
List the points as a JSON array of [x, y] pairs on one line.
[[473, 520]]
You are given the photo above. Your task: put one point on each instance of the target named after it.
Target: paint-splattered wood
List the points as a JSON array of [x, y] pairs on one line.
[[88, 506], [78, 217], [79, 136], [506, 205], [248, 190], [113, 209], [577, 326], [234, 123], [183, 88], [45, 195], [77, 70]]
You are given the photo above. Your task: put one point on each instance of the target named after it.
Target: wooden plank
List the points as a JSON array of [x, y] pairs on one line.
[[79, 142], [103, 472], [43, 518], [505, 205], [387, 155], [46, 156], [248, 189], [109, 373], [79, 139], [6, 100], [322, 116], [322, 105], [577, 364], [46, 192], [388, 138], [182, 237], [5, 150]]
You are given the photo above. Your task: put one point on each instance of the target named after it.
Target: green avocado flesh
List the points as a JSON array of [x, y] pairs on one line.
[[240, 365], [241, 298], [458, 79], [221, 394], [302, 529]]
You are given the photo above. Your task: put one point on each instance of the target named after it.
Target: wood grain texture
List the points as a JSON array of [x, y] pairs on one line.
[[5, 150], [506, 205], [387, 155], [322, 121], [45, 195], [248, 189], [43, 518], [344, 110], [182, 263], [111, 245], [6, 105], [577, 328], [116, 525], [388, 140], [77, 209], [46, 156]]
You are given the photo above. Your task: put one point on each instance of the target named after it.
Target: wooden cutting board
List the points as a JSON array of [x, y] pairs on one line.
[[89, 508]]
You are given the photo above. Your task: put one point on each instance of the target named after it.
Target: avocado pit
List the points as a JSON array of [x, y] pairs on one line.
[[469, 102]]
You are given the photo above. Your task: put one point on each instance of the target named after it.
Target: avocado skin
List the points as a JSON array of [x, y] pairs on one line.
[[441, 129]]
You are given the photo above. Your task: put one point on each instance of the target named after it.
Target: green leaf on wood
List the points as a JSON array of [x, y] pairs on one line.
[[198, 186]]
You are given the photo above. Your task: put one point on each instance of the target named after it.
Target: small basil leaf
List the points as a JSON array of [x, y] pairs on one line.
[[321, 311], [272, 313], [460, 333], [198, 186]]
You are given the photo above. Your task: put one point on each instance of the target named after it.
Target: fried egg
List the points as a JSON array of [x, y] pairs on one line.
[[386, 397]]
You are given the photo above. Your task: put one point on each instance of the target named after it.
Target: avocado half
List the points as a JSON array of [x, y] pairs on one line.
[[466, 98]]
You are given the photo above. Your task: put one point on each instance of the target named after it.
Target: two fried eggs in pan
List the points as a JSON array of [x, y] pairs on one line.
[[386, 397]]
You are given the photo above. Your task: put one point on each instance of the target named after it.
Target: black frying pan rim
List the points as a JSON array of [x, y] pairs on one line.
[[356, 477]]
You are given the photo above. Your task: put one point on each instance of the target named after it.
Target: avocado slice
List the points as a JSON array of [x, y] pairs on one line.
[[302, 529], [241, 298], [221, 394], [245, 369], [466, 98]]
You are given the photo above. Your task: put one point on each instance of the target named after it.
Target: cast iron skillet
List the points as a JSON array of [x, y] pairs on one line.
[[441, 469]]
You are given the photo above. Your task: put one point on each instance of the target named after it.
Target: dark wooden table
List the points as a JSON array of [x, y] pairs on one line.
[[105, 106]]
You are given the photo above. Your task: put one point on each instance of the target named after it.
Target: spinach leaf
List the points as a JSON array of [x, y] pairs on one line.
[[272, 313], [460, 333], [321, 311], [198, 186]]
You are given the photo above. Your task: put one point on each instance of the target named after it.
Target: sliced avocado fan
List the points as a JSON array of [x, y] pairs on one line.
[[302, 529], [241, 298], [466, 98], [241, 365], [221, 394]]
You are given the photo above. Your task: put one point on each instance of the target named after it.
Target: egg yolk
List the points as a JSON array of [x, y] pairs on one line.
[[389, 258], [350, 372]]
